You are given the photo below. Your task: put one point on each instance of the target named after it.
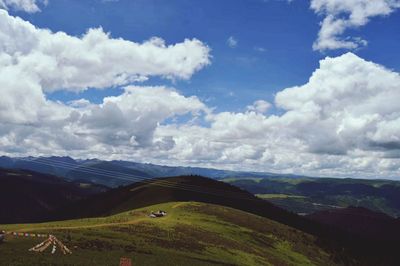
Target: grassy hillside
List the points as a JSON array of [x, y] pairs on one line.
[[191, 234], [196, 188]]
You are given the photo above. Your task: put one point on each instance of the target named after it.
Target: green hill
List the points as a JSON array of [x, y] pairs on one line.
[[191, 234], [195, 188]]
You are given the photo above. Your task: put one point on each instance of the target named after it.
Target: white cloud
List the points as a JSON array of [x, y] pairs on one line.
[[127, 121], [341, 15], [59, 61], [135, 113], [259, 106], [344, 121], [260, 49], [36, 61], [232, 42], [343, 105], [30, 6]]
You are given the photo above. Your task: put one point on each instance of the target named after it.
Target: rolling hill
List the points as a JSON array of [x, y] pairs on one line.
[[191, 234], [180, 188], [344, 244]]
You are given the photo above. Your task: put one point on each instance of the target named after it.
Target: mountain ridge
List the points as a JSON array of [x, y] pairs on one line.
[[60, 166]]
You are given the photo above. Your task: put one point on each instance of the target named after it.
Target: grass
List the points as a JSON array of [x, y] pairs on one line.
[[191, 234]]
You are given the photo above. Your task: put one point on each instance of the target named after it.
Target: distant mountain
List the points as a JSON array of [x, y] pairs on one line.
[[95, 171], [47, 165], [6, 162], [27, 196], [163, 171], [116, 173], [106, 173]]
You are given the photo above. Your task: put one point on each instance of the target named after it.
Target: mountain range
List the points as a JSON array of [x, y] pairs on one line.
[[123, 172]]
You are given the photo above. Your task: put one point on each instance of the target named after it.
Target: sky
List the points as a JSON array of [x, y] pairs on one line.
[[303, 87]]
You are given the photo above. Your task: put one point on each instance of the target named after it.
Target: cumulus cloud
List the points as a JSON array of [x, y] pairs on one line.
[[36, 61], [344, 121], [135, 114], [127, 120], [30, 6], [349, 100], [60, 61], [260, 106], [341, 15]]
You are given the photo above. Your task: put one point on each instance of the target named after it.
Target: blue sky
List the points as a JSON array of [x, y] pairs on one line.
[[237, 76], [303, 87]]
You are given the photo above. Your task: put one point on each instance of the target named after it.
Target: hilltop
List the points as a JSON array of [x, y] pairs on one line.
[[180, 188]]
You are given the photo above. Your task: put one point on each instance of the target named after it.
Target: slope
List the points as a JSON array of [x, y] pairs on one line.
[[360, 221], [181, 188], [29, 196], [191, 234], [346, 245]]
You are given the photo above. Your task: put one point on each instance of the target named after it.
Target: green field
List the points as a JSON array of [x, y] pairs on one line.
[[191, 234]]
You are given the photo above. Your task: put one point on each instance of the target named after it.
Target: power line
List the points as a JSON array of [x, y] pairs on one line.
[[107, 173], [136, 178], [129, 177]]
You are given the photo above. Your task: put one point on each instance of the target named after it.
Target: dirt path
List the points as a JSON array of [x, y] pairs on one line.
[[81, 226]]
